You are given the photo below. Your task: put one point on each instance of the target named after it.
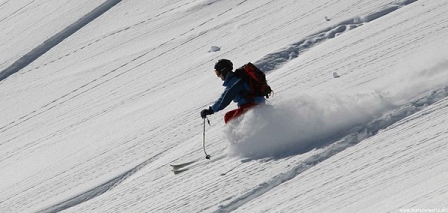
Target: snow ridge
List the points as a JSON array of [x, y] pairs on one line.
[[354, 136], [275, 60], [56, 39]]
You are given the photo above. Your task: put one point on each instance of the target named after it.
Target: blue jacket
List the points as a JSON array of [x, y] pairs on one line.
[[236, 90]]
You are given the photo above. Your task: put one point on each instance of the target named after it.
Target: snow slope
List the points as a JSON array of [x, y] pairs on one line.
[[92, 123]]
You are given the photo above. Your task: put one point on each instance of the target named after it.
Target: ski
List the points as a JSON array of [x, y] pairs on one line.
[[179, 168], [178, 171], [181, 165]]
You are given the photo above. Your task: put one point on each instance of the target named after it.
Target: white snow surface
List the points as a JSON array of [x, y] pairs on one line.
[[99, 97]]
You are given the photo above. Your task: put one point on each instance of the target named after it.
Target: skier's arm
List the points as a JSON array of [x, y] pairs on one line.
[[228, 95]]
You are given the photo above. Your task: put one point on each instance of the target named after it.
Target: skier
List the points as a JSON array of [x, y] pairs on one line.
[[236, 89]]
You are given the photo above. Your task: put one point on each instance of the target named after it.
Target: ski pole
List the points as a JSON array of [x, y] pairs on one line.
[[207, 156]]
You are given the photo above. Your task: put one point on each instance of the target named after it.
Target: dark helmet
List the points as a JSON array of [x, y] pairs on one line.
[[224, 66]]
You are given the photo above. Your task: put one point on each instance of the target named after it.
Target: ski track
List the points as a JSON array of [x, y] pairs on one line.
[[116, 32], [267, 63], [56, 39], [275, 60], [355, 136], [15, 12], [97, 191], [95, 83]]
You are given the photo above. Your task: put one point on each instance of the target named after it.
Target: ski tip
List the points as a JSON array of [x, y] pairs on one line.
[[182, 164]]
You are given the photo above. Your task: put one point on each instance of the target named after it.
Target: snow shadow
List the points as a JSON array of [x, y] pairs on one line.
[[56, 39]]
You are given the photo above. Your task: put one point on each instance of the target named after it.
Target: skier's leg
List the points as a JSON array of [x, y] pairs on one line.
[[237, 112]]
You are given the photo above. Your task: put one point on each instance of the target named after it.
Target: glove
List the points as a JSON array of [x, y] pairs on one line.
[[206, 112]]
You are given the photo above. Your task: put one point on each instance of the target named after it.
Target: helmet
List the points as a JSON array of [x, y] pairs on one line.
[[224, 66]]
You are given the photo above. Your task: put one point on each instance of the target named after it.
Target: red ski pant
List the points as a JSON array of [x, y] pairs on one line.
[[237, 112]]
